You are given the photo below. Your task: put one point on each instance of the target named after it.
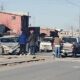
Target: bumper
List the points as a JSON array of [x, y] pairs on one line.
[[46, 47]]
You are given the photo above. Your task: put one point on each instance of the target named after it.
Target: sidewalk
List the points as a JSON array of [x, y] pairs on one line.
[[7, 60], [14, 59]]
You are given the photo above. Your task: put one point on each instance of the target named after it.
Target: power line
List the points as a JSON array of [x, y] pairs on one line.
[[1, 7], [72, 3], [76, 5]]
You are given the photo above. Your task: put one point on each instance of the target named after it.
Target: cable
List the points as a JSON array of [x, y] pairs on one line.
[[72, 3]]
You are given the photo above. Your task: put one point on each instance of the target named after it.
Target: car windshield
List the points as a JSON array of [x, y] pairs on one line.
[[13, 39], [70, 40], [47, 39]]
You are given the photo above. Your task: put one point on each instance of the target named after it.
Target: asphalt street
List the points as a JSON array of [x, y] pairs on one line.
[[45, 53], [56, 70]]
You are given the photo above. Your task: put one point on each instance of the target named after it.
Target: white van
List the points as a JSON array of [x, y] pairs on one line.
[[45, 44]]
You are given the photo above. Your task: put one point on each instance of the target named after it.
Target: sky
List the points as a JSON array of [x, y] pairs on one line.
[[60, 14]]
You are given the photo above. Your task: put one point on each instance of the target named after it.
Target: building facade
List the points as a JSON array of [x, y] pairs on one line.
[[15, 22]]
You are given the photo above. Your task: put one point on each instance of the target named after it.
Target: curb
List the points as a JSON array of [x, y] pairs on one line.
[[7, 61], [19, 62]]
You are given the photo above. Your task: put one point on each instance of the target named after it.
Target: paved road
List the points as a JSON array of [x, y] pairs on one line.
[[45, 53], [57, 70]]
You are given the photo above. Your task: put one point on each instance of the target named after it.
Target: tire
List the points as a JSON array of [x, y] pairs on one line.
[[1, 50], [49, 50], [41, 50], [64, 55]]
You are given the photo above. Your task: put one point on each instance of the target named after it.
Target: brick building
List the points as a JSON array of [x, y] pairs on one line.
[[46, 31], [15, 22]]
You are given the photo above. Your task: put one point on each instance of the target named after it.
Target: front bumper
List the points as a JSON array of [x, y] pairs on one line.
[[46, 47]]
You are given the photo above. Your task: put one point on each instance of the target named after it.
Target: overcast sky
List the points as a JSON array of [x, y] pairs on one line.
[[54, 13]]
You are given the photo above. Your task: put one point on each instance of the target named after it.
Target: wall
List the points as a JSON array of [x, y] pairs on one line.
[[46, 31], [12, 21]]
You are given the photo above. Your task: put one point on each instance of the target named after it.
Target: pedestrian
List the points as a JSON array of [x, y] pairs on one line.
[[22, 43], [74, 50], [32, 42], [57, 45]]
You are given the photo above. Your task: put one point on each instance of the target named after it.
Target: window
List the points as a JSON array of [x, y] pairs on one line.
[[15, 39], [13, 17], [70, 40]]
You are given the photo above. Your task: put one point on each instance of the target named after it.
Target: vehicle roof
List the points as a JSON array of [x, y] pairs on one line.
[[48, 37], [8, 36], [70, 37]]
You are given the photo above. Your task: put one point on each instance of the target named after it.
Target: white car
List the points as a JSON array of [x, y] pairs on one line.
[[8, 44], [45, 44]]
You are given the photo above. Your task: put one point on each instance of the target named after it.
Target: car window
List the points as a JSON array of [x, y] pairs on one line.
[[47, 39], [78, 40], [70, 40], [13, 39]]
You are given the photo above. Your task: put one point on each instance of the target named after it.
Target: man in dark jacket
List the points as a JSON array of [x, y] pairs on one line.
[[32, 42], [22, 42]]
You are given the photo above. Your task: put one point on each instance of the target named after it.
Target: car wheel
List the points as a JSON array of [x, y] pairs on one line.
[[64, 55], [40, 50], [1, 50], [48, 50]]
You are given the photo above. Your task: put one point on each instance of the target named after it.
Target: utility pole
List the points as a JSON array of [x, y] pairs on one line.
[[1, 7], [79, 24], [72, 30], [78, 6]]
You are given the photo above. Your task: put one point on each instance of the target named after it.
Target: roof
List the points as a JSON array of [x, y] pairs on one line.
[[16, 13], [8, 36]]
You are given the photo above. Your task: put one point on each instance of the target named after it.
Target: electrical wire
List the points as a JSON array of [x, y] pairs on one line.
[[72, 3]]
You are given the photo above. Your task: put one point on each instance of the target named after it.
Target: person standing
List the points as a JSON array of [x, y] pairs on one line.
[[57, 45], [75, 51], [32, 42], [22, 43]]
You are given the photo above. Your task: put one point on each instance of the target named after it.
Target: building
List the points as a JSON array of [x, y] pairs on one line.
[[46, 31], [69, 33], [14, 21]]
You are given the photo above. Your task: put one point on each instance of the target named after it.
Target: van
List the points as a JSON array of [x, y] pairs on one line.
[[46, 44]]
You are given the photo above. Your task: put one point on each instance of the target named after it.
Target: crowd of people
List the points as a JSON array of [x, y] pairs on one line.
[[31, 41]]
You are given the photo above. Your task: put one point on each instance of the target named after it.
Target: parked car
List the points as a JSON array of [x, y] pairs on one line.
[[69, 44], [8, 44], [45, 44]]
